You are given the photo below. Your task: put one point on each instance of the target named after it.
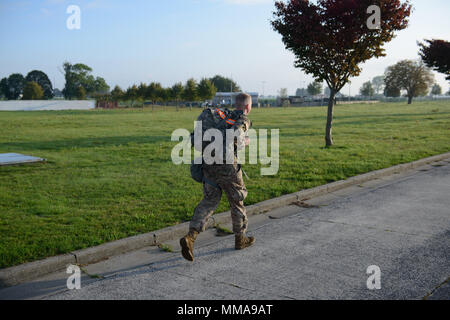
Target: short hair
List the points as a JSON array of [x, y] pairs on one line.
[[242, 100]]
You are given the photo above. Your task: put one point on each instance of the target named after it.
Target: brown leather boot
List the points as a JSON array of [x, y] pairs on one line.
[[187, 244], [242, 242]]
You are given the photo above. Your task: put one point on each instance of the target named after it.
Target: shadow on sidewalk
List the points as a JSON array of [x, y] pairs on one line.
[[42, 289]]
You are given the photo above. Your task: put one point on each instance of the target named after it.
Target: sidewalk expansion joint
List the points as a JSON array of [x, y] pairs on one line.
[[435, 289], [422, 235], [245, 288]]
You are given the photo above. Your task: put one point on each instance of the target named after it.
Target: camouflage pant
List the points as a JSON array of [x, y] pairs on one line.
[[229, 179]]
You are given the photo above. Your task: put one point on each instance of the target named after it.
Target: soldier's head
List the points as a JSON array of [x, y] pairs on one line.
[[244, 102]]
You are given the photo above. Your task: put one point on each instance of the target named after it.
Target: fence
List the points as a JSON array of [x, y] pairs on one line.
[[107, 104]]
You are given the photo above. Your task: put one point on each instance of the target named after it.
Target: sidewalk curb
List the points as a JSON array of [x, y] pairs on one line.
[[29, 271]]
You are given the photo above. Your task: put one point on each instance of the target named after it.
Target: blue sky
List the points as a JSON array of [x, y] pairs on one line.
[[136, 41]]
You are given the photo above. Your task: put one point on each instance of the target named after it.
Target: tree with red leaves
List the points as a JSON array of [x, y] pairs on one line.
[[330, 38], [436, 55]]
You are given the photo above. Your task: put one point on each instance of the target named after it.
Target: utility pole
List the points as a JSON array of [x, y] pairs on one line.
[[323, 89], [231, 83], [231, 91], [349, 89]]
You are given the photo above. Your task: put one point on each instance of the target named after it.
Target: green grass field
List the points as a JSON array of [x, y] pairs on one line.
[[109, 173]]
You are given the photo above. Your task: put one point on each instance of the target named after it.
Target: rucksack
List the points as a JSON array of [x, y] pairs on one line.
[[213, 119]]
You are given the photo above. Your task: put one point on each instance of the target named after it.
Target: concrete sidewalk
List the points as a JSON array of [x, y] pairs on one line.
[[400, 223]]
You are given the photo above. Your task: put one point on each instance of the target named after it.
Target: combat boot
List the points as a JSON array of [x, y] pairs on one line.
[[187, 244], [242, 242]]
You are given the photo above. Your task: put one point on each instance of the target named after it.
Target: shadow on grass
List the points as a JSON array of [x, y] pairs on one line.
[[82, 143], [359, 120]]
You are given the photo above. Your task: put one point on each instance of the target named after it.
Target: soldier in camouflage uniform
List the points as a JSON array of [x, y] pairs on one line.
[[225, 177]]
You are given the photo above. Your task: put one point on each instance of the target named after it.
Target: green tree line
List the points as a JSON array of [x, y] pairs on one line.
[[35, 86], [154, 92], [81, 84], [190, 92]]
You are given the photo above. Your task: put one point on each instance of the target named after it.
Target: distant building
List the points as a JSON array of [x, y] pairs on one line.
[[229, 98], [301, 93], [296, 99]]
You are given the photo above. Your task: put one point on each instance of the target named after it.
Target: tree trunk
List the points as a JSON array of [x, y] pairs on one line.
[[410, 98], [328, 130]]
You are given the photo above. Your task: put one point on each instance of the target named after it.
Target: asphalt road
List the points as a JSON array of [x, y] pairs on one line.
[[400, 224]]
